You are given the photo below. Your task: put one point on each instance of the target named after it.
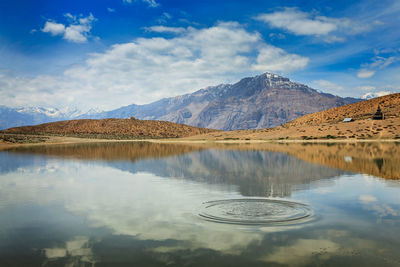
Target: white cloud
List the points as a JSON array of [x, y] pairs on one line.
[[274, 59], [150, 3], [71, 17], [367, 88], [77, 31], [164, 29], [384, 210], [378, 62], [382, 62], [298, 22], [167, 15], [54, 28], [117, 208], [302, 23], [278, 36], [333, 39], [111, 10], [325, 85], [301, 252], [367, 198], [148, 69], [164, 18], [364, 73]]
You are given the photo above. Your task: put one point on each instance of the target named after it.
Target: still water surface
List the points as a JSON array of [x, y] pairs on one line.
[[146, 204]]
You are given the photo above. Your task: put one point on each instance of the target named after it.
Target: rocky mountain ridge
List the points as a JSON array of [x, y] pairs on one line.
[[266, 100], [11, 117]]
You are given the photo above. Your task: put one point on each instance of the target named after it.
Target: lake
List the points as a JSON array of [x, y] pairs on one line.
[[144, 204]]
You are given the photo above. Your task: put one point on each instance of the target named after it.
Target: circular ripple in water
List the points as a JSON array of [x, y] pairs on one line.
[[255, 211]]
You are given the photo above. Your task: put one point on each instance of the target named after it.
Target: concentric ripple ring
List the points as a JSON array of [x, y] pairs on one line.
[[251, 211]]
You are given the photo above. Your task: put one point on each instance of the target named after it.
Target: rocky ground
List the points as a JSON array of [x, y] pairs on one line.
[[111, 129], [359, 129], [329, 124]]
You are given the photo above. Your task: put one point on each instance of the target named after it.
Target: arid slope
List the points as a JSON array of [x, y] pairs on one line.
[[112, 128], [389, 104], [329, 124]]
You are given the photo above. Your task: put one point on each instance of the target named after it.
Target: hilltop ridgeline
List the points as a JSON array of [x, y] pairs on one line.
[[112, 128], [389, 104]]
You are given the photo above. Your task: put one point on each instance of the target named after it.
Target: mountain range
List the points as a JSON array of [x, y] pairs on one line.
[[11, 117], [266, 100]]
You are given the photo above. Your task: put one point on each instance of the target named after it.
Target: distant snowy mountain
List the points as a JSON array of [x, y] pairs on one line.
[[87, 114], [50, 112], [266, 100], [375, 94], [11, 117]]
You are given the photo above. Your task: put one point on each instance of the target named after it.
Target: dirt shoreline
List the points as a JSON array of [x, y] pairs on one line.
[[59, 140]]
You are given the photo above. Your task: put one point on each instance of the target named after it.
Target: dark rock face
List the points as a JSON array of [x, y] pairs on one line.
[[266, 100]]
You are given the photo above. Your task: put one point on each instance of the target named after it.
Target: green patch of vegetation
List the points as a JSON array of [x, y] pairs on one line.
[[22, 139], [231, 138], [304, 137]]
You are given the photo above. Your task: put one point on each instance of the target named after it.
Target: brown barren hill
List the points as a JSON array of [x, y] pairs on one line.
[[329, 124], [112, 128], [389, 104]]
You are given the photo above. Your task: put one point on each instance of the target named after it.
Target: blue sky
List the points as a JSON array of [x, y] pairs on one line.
[[105, 54]]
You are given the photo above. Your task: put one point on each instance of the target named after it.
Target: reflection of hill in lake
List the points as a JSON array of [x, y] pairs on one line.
[[257, 169], [256, 173], [374, 158], [108, 151], [381, 160]]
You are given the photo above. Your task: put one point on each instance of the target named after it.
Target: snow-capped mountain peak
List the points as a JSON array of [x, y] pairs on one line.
[[50, 112], [370, 95]]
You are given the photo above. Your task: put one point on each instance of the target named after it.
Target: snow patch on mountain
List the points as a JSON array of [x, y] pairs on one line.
[[370, 95]]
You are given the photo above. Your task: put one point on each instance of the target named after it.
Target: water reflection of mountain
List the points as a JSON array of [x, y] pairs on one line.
[[256, 173], [381, 159], [375, 158]]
